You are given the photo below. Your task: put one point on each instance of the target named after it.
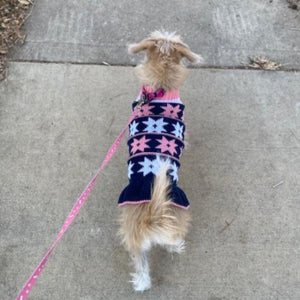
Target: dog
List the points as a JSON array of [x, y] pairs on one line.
[[154, 210]]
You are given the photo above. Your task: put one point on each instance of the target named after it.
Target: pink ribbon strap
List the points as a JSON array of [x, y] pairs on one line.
[[72, 215]]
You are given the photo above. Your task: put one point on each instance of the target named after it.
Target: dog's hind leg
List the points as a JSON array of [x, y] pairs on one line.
[[177, 247], [141, 279]]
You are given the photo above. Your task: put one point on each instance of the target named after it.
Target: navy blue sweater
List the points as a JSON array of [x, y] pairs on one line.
[[156, 133]]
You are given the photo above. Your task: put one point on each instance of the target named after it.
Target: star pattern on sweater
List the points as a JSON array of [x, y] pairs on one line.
[[174, 170], [133, 128], [139, 144], [144, 111], [167, 146], [171, 111], [178, 132], [155, 126], [149, 166], [130, 166]]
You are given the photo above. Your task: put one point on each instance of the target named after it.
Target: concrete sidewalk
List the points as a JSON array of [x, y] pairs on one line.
[[57, 122], [241, 171], [225, 32]]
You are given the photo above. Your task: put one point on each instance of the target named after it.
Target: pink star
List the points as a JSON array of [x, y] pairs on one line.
[[170, 111], [145, 111], [166, 145], [140, 144]]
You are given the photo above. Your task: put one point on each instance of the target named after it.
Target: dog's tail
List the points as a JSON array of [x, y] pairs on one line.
[[161, 216]]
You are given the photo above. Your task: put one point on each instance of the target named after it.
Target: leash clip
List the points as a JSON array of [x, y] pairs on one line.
[[148, 97], [141, 101]]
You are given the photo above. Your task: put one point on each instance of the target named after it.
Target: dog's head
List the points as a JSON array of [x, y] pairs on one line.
[[162, 66], [165, 47]]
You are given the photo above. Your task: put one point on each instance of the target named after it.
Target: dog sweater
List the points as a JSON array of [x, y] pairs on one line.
[[156, 133]]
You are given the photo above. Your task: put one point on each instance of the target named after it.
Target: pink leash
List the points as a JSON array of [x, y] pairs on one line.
[[72, 215]]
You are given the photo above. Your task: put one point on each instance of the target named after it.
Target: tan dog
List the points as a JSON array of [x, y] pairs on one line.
[[157, 222]]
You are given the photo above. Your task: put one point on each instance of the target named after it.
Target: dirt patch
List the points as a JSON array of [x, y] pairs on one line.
[[13, 14], [294, 4], [263, 63]]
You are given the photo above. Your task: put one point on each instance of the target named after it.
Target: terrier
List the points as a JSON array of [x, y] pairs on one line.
[[154, 210]]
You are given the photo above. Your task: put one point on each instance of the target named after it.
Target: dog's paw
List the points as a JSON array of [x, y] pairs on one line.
[[141, 281], [179, 247]]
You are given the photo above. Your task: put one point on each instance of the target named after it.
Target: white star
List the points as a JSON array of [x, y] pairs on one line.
[[133, 128], [178, 130], [130, 169], [155, 126], [174, 169], [149, 166]]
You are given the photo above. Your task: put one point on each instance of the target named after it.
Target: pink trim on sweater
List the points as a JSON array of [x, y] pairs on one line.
[[176, 101], [180, 206], [174, 94], [133, 202]]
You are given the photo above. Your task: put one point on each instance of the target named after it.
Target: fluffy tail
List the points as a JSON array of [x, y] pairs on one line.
[[160, 212], [150, 223]]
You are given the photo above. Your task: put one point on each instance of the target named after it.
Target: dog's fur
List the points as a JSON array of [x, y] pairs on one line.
[[157, 222]]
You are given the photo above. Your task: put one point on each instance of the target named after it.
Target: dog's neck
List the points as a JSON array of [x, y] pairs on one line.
[[169, 95]]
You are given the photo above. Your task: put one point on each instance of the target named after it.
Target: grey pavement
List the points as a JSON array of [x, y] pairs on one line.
[[58, 120], [241, 170], [225, 32]]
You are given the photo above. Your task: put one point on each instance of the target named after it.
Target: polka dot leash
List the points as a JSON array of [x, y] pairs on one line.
[[72, 215]]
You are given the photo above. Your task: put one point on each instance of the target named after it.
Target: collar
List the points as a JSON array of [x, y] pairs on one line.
[[147, 94]]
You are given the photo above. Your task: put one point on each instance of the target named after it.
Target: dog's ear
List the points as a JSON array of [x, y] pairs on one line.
[[185, 51], [142, 46]]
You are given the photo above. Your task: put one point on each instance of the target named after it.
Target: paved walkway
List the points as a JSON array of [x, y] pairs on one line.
[[241, 171], [225, 32]]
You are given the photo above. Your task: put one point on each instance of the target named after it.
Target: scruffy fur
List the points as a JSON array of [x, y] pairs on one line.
[[162, 66], [157, 222]]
